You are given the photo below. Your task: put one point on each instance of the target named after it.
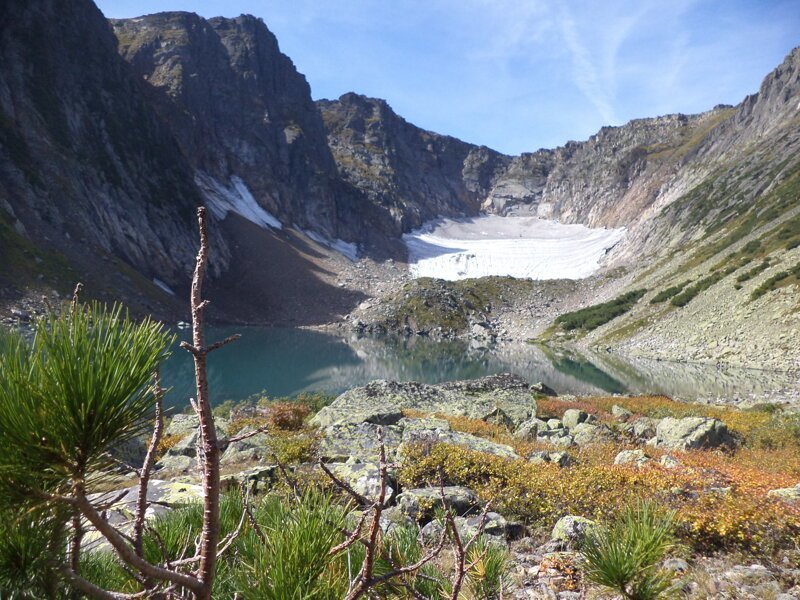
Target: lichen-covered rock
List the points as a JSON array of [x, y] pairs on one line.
[[251, 449], [496, 529], [177, 463], [669, 462], [456, 438], [364, 478], [690, 433], [589, 433], [557, 437], [791, 494], [420, 503], [572, 530], [636, 458], [620, 412], [573, 416], [562, 459], [530, 429], [359, 442], [504, 399]]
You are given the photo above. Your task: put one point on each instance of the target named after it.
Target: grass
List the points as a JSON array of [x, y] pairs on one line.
[[625, 555], [592, 317]]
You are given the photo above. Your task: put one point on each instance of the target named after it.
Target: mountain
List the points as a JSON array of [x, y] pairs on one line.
[[111, 133]]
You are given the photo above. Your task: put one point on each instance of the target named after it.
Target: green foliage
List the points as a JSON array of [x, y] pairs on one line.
[[489, 577], [763, 266], [593, 317], [688, 294], [625, 555], [83, 385], [773, 282], [28, 543], [294, 562], [668, 293]]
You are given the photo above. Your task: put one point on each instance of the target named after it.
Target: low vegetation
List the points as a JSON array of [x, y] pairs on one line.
[[781, 278], [668, 293], [689, 293], [592, 317]]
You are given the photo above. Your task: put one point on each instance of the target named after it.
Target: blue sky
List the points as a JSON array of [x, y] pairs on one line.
[[518, 75]]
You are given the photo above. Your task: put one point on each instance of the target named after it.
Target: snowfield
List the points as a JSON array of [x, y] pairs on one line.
[[235, 197], [523, 247]]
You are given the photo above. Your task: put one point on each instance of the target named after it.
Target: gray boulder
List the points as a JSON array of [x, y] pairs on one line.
[[621, 412], [636, 458], [252, 449], [573, 416], [572, 530], [690, 433], [530, 429], [504, 399], [589, 433], [357, 442], [364, 478], [456, 438], [420, 503], [791, 494]]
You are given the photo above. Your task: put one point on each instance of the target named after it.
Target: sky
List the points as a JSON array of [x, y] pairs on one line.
[[519, 75]]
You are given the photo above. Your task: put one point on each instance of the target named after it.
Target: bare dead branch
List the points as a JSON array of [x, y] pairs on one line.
[[147, 466], [352, 538], [76, 298], [249, 434], [360, 498], [221, 343]]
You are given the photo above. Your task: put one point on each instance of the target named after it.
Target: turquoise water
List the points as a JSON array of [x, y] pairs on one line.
[[285, 362]]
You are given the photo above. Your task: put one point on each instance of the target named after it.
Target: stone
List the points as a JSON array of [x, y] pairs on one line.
[[530, 429], [495, 530], [562, 459], [555, 424], [637, 458], [669, 462], [177, 463], [690, 433], [251, 449], [791, 494], [589, 433], [504, 399], [455, 438], [573, 416], [420, 503], [359, 442], [364, 478], [572, 530], [620, 412], [676, 565], [543, 390], [644, 428]]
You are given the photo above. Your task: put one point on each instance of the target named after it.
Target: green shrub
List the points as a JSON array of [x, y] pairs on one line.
[[772, 283], [688, 294], [593, 317], [668, 293], [754, 271], [625, 555], [489, 577]]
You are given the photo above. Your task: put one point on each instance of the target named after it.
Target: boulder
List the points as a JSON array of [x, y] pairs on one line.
[[505, 399], [496, 529], [364, 478], [621, 412], [530, 428], [669, 462], [456, 438], [791, 494], [420, 503], [690, 433], [562, 459], [572, 530], [357, 442], [589, 433], [251, 449], [573, 416], [540, 389], [636, 458]]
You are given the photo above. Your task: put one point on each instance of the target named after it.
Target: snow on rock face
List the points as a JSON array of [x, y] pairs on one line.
[[163, 286], [235, 197], [347, 249], [525, 247]]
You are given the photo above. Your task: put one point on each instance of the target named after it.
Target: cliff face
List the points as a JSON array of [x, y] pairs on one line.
[[239, 109], [412, 174], [86, 168]]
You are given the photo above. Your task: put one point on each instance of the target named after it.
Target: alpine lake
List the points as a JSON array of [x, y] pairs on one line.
[[284, 362]]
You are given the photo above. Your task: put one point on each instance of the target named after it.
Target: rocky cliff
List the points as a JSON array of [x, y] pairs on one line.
[[87, 169], [412, 174]]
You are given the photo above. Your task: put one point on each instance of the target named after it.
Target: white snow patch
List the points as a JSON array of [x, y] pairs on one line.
[[524, 247], [235, 197], [347, 249], [163, 286]]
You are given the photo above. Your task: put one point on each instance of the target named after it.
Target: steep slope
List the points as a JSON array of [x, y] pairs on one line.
[[241, 113], [90, 178], [415, 175]]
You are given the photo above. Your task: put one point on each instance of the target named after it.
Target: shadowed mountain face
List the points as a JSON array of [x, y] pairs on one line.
[[108, 145]]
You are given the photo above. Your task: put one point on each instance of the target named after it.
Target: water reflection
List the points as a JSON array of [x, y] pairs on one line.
[[285, 362]]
